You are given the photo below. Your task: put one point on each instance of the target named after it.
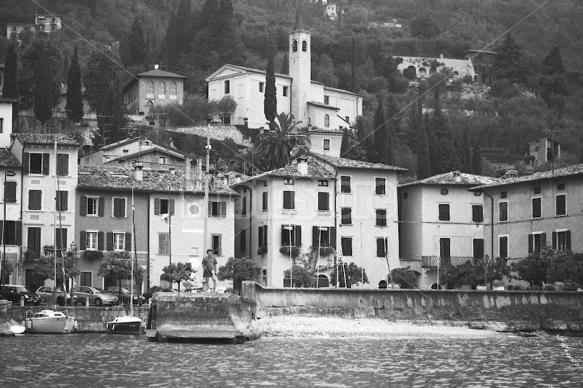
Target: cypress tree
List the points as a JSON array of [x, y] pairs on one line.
[[477, 160], [74, 105], [43, 105], [270, 98], [10, 89], [137, 44], [380, 134], [417, 128], [445, 154]]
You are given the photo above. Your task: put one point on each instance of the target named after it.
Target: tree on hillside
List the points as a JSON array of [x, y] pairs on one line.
[[270, 98], [424, 27], [508, 63], [43, 102], [103, 91], [445, 155], [477, 160], [137, 44], [10, 88], [273, 148], [553, 82], [351, 148], [74, 105], [418, 141]]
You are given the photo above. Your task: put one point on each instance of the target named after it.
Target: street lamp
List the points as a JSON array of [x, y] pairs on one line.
[[2, 269]]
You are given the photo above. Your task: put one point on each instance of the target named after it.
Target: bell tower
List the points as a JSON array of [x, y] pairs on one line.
[[300, 70]]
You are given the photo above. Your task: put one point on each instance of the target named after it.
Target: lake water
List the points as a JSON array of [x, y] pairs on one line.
[[100, 360]]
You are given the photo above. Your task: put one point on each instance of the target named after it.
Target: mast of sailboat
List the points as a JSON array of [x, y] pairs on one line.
[[135, 254], [56, 187]]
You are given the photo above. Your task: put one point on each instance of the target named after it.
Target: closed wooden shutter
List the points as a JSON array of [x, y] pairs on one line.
[[380, 247], [346, 246], [18, 232], [333, 237], [110, 241], [10, 192], [315, 236], [156, 206], [62, 164], [260, 237], [82, 240], [223, 209], [554, 243], [83, 206], [25, 163], [101, 210], [128, 241], [265, 236], [530, 243], [298, 230], [171, 207], [100, 240], [543, 240], [46, 164], [568, 239]]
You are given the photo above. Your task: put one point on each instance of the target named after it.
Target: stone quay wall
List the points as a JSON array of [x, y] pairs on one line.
[[498, 310]]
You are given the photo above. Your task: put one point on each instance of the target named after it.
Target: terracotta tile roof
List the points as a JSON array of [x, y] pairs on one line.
[[575, 169], [454, 178], [98, 177], [7, 159], [46, 139], [349, 163], [315, 171]]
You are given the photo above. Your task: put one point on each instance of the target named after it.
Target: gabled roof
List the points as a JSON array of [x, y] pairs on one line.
[[322, 105], [573, 170], [315, 171], [453, 178], [243, 69], [159, 150], [45, 139], [160, 73], [104, 178], [8, 160], [357, 164]]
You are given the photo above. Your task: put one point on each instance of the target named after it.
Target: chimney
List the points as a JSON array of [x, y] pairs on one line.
[[457, 176], [138, 171], [302, 166]]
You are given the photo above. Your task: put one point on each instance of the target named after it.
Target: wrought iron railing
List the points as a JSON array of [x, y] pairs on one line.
[[434, 261]]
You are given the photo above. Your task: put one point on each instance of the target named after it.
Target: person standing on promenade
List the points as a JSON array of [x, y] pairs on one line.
[[209, 266]]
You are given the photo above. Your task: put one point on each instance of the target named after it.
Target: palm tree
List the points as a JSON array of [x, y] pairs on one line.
[[274, 149]]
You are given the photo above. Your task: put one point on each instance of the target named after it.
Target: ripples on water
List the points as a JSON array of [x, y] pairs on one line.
[[94, 360]]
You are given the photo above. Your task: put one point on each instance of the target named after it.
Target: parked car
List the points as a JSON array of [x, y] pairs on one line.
[[124, 295], [14, 292], [95, 296], [46, 292]]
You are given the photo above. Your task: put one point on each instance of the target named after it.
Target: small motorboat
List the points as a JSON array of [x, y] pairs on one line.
[[125, 325], [16, 328], [50, 322]]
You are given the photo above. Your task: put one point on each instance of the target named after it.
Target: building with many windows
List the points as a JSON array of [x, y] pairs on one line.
[[153, 88], [441, 223], [524, 214], [310, 102]]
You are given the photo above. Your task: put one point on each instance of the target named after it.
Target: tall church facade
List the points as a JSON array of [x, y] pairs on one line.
[[313, 103]]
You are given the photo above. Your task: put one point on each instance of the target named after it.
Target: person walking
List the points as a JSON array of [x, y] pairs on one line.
[[209, 266]]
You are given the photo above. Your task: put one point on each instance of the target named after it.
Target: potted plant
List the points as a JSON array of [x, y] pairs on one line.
[[327, 251], [286, 250], [262, 250]]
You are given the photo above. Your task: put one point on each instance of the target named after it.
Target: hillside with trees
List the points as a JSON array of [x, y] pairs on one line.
[[427, 127]]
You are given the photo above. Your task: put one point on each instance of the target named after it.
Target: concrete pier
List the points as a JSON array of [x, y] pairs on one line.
[[200, 316], [5, 321]]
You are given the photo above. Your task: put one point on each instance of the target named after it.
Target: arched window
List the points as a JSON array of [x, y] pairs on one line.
[[149, 104], [173, 89], [304, 46], [161, 88], [150, 87], [326, 121], [295, 46]]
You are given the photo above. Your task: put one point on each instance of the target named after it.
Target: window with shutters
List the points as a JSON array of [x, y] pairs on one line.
[[62, 201], [218, 209], [536, 207], [477, 213], [216, 244], [62, 165], [92, 206], [323, 236], [443, 212], [562, 240], [323, 201], [265, 202], [503, 211], [346, 244], [561, 205], [164, 206], [91, 241], [163, 243], [291, 235], [38, 164], [243, 240], [34, 240], [35, 198], [382, 246], [289, 200], [119, 207], [326, 144], [10, 192], [262, 237], [11, 232], [380, 186], [86, 279], [444, 248], [119, 241], [536, 242], [503, 246], [381, 217], [346, 216], [478, 245], [345, 184]]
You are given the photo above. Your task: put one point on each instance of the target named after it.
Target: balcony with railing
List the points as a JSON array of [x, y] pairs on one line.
[[434, 261]]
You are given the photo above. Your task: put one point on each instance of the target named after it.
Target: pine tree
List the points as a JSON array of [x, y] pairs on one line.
[[270, 98], [74, 105], [43, 105], [553, 62], [507, 64], [137, 44], [10, 89]]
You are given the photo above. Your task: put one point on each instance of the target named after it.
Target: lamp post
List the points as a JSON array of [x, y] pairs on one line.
[[2, 269], [73, 249]]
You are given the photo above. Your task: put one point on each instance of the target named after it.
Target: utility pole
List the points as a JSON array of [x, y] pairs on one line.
[[206, 189]]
